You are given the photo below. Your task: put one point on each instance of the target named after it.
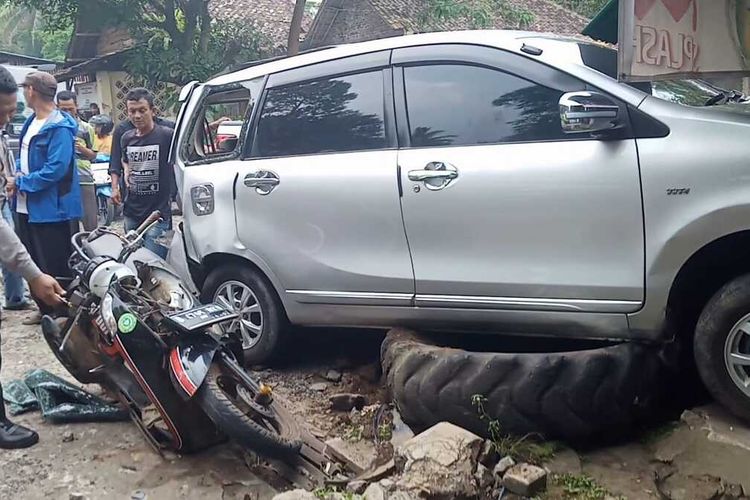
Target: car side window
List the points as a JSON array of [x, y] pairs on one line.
[[220, 119], [461, 105], [336, 114]]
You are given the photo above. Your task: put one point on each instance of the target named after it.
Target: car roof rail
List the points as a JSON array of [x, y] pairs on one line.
[[258, 62]]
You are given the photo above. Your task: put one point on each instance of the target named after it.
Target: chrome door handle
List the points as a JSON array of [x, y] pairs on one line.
[[436, 175], [264, 181], [423, 175]]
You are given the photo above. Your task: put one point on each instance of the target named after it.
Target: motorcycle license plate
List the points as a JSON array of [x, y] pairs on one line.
[[201, 317]]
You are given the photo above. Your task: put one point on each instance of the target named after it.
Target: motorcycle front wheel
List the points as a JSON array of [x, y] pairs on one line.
[[230, 401], [105, 210]]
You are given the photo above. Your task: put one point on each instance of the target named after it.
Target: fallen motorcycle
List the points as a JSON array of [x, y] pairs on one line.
[[132, 327]]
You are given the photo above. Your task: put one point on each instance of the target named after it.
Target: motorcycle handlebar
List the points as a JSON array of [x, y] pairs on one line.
[[154, 217]]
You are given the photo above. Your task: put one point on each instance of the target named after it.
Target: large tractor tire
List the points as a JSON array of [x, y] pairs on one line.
[[566, 395]]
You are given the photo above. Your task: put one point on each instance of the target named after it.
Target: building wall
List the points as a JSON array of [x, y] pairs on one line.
[[357, 21]]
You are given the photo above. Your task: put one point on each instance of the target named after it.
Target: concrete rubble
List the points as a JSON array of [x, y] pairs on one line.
[[441, 461], [525, 479]]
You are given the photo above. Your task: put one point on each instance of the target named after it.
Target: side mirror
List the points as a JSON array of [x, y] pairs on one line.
[[587, 112]]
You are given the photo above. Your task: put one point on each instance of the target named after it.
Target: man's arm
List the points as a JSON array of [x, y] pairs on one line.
[[59, 157], [122, 165], [13, 254], [115, 158], [87, 151]]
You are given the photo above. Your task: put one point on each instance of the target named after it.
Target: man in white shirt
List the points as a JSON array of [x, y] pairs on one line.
[[48, 194]]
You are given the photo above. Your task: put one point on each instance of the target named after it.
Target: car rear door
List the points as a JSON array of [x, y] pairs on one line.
[[317, 200], [502, 210]]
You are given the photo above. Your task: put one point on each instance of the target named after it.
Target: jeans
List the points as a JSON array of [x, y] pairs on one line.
[[15, 287], [152, 235]]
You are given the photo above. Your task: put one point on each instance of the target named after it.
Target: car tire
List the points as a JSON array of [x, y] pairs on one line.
[[719, 332], [273, 321], [567, 395]]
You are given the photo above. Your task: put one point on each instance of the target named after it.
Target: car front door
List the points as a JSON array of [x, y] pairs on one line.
[[318, 201], [502, 209]]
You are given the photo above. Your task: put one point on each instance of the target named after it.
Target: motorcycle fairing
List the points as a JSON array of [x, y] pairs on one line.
[[190, 359]]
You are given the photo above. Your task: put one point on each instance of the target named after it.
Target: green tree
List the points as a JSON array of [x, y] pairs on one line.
[[55, 43], [179, 39]]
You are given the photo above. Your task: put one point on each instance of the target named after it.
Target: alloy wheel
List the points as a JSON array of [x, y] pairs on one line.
[[240, 298], [737, 354]]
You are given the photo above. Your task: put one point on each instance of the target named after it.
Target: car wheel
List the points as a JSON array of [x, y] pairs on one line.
[[262, 319], [570, 395], [722, 346]]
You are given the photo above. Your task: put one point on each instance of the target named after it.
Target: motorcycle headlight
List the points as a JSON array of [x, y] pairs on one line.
[[108, 315]]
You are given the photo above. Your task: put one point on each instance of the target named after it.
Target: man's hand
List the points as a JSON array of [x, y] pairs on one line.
[[10, 187], [215, 124], [116, 195], [46, 288]]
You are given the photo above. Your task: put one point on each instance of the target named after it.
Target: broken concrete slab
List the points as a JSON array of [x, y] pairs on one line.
[[680, 487], [484, 477], [319, 387], [525, 479], [440, 462], [375, 492], [723, 427], [710, 442], [379, 472], [503, 465], [357, 455]]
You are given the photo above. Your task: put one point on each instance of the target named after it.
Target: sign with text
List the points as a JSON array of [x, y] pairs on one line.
[[87, 93], [665, 39]]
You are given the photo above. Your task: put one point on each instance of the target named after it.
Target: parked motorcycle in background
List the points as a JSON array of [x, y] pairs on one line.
[[133, 327], [106, 209]]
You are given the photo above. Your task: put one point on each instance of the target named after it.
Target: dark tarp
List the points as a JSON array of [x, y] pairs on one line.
[[60, 401], [604, 26]]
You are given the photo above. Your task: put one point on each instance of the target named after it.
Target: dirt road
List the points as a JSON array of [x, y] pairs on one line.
[[686, 459]]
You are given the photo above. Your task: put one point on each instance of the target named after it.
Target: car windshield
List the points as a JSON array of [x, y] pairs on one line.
[[686, 92], [22, 110]]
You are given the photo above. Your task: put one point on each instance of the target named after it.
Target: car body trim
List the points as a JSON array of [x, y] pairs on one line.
[[517, 303], [529, 303]]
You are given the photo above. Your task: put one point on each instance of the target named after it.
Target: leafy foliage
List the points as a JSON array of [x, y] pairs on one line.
[[23, 31], [582, 488], [178, 40], [587, 8], [476, 13], [525, 448]]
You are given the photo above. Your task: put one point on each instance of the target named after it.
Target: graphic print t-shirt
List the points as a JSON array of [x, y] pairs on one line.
[[150, 177]]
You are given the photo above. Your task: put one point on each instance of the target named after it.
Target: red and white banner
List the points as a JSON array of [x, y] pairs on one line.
[[662, 39]]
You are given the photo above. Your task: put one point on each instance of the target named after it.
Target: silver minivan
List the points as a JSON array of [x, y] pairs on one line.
[[484, 180]]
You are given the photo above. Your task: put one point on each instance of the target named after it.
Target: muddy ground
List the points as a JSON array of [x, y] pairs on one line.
[[680, 460]]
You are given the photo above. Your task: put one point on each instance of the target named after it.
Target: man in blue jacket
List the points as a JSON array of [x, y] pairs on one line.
[[48, 195]]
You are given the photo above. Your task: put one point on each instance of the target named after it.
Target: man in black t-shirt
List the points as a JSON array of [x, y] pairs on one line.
[[149, 177]]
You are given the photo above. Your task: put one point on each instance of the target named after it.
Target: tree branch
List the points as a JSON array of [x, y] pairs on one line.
[[170, 22], [205, 24], [296, 28]]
